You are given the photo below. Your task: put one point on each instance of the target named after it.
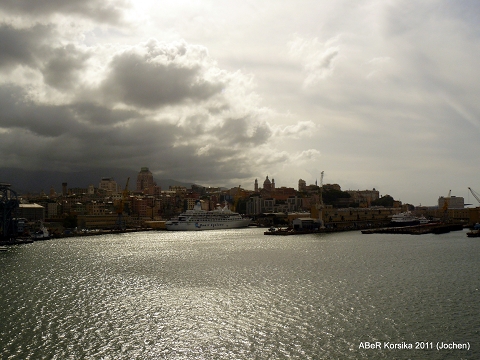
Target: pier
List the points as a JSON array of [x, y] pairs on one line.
[[435, 228]]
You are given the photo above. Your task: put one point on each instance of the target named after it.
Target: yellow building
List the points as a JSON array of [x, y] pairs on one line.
[[355, 217], [98, 221]]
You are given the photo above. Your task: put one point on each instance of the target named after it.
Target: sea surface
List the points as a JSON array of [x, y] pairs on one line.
[[238, 294]]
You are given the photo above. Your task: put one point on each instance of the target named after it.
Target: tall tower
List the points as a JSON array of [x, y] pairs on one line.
[[267, 185], [256, 185], [302, 185], [144, 179], [273, 184], [64, 189]]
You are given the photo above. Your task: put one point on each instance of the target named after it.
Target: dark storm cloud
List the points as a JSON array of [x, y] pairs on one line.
[[186, 118], [63, 66], [30, 47], [40, 119], [48, 120], [21, 46], [86, 135], [143, 81], [80, 135], [99, 10], [99, 115]]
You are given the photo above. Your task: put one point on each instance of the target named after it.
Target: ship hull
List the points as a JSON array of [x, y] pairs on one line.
[[404, 223], [206, 225]]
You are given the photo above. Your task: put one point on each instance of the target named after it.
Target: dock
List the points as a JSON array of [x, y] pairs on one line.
[[435, 228]]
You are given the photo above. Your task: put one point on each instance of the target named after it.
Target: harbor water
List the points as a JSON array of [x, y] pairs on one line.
[[237, 294]]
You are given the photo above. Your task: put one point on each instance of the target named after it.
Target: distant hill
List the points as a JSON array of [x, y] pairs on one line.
[[24, 181]]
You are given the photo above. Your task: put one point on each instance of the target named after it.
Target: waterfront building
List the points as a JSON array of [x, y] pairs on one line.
[[78, 208], [267, 184], [77, 191], [453, 202], [190, 200], [294, 203], [178, 189], [52, 193], [145, 180], [355, 217], [254, 205], [105, 221], [52, 210], [302, 185], [109, 185], [467, 216], [139, 206], [31, 212], [364, 197], [95, 208], [283, 193]]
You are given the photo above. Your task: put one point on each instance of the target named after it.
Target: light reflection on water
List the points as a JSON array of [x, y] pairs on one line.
[[238, 294]]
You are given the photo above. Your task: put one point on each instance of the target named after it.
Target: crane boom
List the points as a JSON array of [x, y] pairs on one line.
[[446, 201], [474, 194]]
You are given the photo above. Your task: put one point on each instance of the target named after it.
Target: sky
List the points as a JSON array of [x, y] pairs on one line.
[[377, 93]]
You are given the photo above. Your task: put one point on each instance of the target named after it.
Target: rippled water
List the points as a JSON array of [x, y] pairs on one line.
[[238, 294]]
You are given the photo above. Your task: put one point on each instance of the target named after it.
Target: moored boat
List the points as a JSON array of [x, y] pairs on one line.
[[41, 234], [404, 219], [198, 219], [475, 232]]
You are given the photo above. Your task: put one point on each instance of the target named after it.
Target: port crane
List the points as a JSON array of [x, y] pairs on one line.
[[475, 195]]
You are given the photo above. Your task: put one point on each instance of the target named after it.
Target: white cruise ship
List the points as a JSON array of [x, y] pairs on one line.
[[404, 219], [198, 219]]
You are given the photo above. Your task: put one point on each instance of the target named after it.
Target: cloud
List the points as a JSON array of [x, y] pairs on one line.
[[216, 93], [166, 105], [244, 131], [156, 74], [308, 155], [317, 59], [108, 11], [64, 66], [300, 129], [22, 46]]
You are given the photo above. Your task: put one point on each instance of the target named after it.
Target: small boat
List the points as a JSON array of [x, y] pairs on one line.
[[3, 248], [41, 234], [475, 232], [423, 220]]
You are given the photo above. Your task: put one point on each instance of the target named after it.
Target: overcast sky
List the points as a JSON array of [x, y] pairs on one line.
[[377, 94]]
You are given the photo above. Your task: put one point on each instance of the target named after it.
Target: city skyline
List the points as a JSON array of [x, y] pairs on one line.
[[376, 94], [144, 181]]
